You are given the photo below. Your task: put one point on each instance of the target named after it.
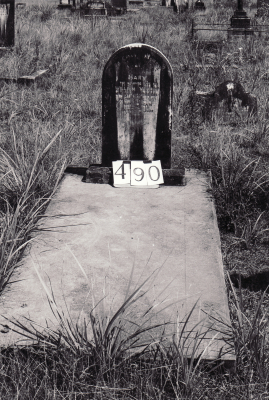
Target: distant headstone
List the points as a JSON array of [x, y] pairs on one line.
[[240, 22], [67, 4], [95, 8], [199, 5], [181, 6], [7, 25], [119, 4], [137, 106], [168, 3]]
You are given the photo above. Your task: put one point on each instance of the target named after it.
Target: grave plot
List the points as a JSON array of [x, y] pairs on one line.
[[99, 243]]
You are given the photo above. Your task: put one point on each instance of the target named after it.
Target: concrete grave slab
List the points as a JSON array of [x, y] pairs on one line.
[[27, 79], [119, 236]]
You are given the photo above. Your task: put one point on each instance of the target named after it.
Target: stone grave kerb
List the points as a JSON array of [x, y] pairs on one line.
[[137, 90]]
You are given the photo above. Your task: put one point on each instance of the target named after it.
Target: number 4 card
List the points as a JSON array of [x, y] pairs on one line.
[[121, 173]]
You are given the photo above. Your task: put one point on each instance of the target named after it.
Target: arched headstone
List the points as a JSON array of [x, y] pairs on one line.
[[137, 106]]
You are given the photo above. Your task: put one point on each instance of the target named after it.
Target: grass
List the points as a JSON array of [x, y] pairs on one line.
[[58, 122]]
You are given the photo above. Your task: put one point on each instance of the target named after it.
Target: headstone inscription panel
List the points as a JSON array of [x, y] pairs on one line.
[[7, 26], [137, 106]]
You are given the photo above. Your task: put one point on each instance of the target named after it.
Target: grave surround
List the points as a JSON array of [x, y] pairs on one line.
[[170, 232]]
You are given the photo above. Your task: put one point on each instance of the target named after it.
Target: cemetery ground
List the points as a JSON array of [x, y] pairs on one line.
[[57, 122]]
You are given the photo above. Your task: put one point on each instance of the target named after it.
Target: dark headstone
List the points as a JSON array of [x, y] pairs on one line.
[[119, 4], [240, 22], [199, 5], [7, 25], [137, 106]]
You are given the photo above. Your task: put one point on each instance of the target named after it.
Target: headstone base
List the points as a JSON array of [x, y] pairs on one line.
[[240, 24], [103, 175], [240, 32]]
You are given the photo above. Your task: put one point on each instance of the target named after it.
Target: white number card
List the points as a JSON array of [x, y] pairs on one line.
[[121, 173], [137, 174], [155, 173]]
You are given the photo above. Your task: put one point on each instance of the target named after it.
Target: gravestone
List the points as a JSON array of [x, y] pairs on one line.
[[67, 4], [168, 3], [181, 6], [94, 8], [137, 106], [120, 6], [199, 5], [240, 22], [7, 24]]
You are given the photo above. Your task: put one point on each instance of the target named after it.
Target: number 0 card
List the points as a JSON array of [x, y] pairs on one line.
[[155, 173]]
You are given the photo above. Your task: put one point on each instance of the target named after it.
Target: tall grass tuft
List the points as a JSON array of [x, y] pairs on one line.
[[25, 192]]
